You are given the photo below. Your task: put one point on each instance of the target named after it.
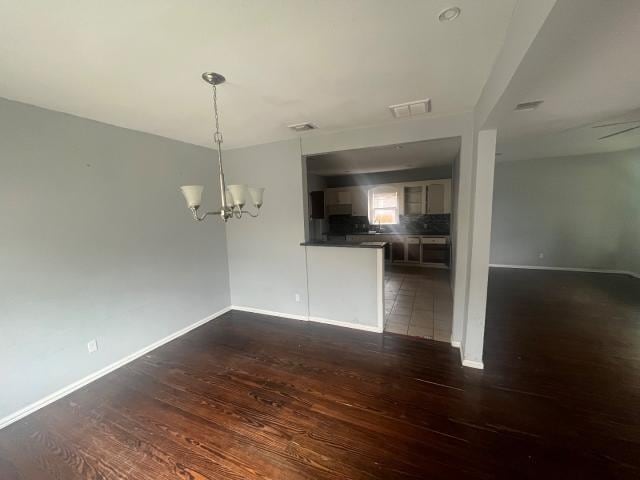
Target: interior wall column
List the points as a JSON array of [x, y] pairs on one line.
[[482, 202]]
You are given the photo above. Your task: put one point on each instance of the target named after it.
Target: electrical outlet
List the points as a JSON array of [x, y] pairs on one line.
[[541, 255], [297, 297], [92, 346]]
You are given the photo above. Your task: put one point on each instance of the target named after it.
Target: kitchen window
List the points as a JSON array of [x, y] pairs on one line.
[[383, 206]]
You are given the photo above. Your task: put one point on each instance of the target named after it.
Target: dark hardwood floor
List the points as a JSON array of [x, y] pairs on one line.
[[249, 396]]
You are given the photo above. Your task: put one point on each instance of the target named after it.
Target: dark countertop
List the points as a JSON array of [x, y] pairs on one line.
[[389, 234], [320, 243], [402, 234]]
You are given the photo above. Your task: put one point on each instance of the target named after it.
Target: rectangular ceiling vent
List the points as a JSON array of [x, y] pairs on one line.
[[410, 109], [302, 127], [526, 106]]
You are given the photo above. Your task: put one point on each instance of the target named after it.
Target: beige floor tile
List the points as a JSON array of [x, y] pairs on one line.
[[422, 318], [423, 303], [441, 336], [406, 293], [420, 332], [393, 328], [402, 310], [399, 318]]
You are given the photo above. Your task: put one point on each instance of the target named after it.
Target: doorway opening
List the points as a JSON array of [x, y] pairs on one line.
[[401, 195]]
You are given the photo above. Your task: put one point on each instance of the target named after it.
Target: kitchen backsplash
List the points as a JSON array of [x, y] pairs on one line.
[[418, 224]]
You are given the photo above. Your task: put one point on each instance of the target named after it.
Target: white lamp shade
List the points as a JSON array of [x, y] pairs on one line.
[[228, 197], [256, 195], [239, 194], [192, 194]]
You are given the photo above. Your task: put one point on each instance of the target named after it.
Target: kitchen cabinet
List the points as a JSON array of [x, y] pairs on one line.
[[413, 249], [413, 200], [344, 197], [338, 196], [436, 199], [360, 202], [397, 250], [435, 250]]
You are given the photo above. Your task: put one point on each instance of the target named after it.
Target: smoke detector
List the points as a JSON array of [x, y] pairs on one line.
[[302, 127], [528, 106], [410, 109]]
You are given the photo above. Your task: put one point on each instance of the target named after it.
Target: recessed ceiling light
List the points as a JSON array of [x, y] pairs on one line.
[[449, 14]]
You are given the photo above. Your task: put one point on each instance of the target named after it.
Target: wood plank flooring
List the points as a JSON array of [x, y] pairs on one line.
[[255, 397]]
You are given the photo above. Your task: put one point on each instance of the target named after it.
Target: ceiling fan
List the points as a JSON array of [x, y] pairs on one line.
[[619, 132]]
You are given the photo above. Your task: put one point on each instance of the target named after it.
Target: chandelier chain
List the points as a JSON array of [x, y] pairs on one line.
[[217, 137]]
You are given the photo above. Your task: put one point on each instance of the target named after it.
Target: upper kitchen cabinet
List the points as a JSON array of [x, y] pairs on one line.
[[338, 196], [414, 200], [360, 202], [428, 197], [435, 199]]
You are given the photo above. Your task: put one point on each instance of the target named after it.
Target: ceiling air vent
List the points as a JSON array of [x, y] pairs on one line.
[[526, 106], [302, 127], [410, 109]]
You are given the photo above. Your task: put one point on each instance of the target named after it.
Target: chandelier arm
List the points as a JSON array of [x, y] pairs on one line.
[[199, 218], [254, 215]]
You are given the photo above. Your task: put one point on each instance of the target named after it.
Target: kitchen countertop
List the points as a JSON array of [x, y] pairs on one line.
[[320, 243], [390, 234]]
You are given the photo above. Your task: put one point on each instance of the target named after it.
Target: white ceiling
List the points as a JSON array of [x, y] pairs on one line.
[[407, 156], [336, 63], [585, 65]]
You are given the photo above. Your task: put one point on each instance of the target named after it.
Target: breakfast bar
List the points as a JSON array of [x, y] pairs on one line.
[[345, 282]]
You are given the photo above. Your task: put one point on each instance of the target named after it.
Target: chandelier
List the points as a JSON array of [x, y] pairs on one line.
[[233, 197]]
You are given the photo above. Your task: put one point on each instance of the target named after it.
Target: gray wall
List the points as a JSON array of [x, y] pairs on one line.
[[580, 212], [396, 176], [266, 261], [96, 243]]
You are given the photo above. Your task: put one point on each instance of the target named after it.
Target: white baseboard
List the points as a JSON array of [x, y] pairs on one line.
[[473, 364], [566, 269], [327, 321], [468, 363], [455, 343], [269, 312], [37, 405], [357, 326]]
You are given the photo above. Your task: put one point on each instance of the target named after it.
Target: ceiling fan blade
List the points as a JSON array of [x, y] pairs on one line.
[[613, 124], [620, 132]]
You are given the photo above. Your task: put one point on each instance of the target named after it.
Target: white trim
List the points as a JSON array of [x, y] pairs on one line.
[[455, 343], [380, 288], [269, 312], [473, 364], [468, 363], [37, 405], [357, 326], [566, 269], [304, 318]]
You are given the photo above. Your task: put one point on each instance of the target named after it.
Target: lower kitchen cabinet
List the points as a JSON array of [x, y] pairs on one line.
[[435, 253], [397, 251], [387, 252], [413, 250]]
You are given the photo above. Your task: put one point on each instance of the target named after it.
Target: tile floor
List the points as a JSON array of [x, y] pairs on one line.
[[418, 302]]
